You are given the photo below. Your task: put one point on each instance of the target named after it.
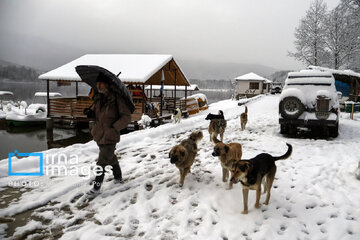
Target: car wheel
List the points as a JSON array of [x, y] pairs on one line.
[[291, 108]]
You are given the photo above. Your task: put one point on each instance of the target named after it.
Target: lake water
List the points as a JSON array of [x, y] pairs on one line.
[[34, 140]]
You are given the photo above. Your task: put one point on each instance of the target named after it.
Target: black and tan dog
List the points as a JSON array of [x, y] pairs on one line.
[[217, 125], [228, 154], [183, 155], [244, 119], [211, 116], [250, 174]]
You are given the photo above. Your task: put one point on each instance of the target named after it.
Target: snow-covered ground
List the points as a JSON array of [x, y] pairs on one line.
[[315, 194]]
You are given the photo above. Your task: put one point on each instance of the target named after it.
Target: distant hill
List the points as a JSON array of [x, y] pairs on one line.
[[205, 70], [12, 71], [279, 76]]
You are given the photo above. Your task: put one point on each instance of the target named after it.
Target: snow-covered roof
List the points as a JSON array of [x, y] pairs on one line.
[[44, 94], [192, 87], [134, 68], [335, 71], [2, 93], [251, 76]]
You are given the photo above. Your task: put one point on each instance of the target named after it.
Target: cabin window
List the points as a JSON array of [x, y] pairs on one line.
[[254, 85]]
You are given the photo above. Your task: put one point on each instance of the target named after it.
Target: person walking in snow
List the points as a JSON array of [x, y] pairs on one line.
[[111, 116]]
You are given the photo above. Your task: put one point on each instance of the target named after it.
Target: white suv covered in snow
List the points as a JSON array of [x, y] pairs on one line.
[[309, 99]]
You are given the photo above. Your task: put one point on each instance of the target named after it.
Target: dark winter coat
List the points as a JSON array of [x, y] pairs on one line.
[[111, 116]]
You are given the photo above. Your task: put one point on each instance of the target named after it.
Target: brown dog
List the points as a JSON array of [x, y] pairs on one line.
[[244, 119], [252, 172], [228, 155], [216, 127], [183, 155]]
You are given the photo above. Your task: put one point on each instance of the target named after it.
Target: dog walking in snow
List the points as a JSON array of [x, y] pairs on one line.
[[183, 155], [177, 115], [217, 125], [244, 119], [250, 173]]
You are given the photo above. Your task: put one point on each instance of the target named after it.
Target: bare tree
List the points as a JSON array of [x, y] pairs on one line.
[[310, 35], [353, 19], [340, 42]]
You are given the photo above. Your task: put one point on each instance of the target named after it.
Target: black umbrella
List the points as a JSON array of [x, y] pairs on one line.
[[89, 74]]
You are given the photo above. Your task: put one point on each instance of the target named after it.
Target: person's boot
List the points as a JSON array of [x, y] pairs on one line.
[[117, 174]]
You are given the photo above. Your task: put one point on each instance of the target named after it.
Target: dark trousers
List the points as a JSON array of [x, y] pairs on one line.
[[100, 174], [106, 158]]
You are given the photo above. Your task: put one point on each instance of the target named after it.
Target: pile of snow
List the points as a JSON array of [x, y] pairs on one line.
[[315, 193]]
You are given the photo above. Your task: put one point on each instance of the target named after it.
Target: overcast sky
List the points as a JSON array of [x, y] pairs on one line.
[[239, 31]]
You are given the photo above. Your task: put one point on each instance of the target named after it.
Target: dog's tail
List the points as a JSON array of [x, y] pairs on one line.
[[246, 109], [286, 155]]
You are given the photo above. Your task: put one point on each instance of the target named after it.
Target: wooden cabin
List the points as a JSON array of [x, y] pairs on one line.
[[136, 71], [251, 84]]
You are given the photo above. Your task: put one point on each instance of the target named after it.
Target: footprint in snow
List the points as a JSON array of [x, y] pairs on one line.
[[310, 206]]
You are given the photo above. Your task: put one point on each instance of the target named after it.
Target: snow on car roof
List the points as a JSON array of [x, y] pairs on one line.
[[310, 77]]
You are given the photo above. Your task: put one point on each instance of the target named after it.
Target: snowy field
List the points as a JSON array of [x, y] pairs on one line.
[[315, 194]]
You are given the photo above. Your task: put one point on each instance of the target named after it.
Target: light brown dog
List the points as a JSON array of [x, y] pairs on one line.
[[216, 127], [228, 154], [250, 173], [183, 155], [244, 119]]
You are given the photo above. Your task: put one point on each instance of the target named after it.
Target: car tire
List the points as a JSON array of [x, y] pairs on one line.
[[291, 108]]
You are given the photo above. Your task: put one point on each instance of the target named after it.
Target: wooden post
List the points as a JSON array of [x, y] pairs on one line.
[[76, 89], [143, 98], [48, 97], [185, 96], [151, 93], [352, 111], [175, 90], [49, 130]]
